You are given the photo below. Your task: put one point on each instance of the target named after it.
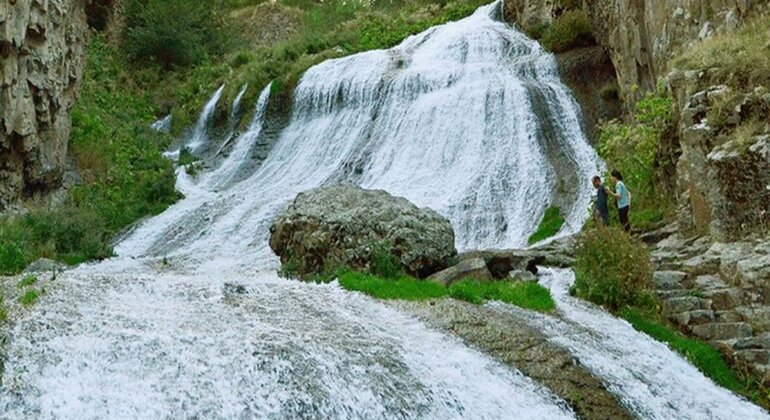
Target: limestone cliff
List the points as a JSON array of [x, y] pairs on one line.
[[41, 61], [641, 36]]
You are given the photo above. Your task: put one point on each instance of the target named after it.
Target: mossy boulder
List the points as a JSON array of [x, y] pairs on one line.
[[347, 226]]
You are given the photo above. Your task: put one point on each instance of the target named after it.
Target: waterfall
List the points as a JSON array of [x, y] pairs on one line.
[[200, 133], [190, 319], [468, 118], [163, 125]]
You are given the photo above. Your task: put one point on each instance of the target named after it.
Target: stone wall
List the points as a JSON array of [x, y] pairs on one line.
[[41, 61]]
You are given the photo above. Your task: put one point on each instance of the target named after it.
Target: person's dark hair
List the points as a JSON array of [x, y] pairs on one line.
[[596, 178], [616, 174]]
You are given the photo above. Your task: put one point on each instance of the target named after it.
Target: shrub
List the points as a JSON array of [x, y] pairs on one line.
[[550, 224], [172, 32], [525, 295], [13, 258], [612, 269], [382, 262], [569, 31], [632, 149]]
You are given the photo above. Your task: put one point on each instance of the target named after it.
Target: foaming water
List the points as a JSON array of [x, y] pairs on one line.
[[648, 377], [122, 342]]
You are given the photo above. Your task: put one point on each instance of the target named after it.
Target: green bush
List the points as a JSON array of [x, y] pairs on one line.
[[382, 262], [173, 32], [612, 269], [550, 224], [632, 149], [569, 31], [525, 295]]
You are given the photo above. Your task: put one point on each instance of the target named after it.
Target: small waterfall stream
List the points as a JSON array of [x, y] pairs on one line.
[[191, 321]]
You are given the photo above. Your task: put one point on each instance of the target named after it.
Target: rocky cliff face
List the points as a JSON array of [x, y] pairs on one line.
[[641, 36], [41, 61]]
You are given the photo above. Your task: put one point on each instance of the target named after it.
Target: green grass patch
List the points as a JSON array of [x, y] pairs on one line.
[[701, 355], [29, 298], [525, 295], [28, 281], [403, 288], [550, 224], [3, 314]]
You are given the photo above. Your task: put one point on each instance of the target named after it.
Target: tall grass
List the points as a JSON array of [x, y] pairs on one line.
[[740, 58]]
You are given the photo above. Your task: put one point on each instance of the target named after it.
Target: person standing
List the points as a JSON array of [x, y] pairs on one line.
[[601, 209], [624, 199]]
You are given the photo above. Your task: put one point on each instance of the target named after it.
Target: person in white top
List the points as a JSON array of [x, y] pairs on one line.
[[624, 199]]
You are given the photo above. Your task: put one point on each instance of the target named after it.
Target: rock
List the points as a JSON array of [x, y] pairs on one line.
[[521, 275], [696, 317], [683, 304], [707, 282], [728, 316], [701, 264], [724, 299], [44, 265], [473, 268], [759, 342], [753, 356], [668, 280], [502, 262], [722, 331], [345, 225], [41, 64]]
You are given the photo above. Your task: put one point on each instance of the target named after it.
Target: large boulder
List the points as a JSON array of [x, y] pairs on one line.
[[344, 225]]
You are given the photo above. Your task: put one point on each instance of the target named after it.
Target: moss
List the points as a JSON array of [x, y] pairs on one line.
[[550, 224]]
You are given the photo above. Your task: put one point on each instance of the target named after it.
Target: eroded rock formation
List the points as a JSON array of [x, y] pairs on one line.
[[41, 62]]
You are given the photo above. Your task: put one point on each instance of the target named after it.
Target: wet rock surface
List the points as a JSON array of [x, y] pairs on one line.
[[344, 225], [511, 341]]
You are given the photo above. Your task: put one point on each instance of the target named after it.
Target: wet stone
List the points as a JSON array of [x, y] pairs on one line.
[[723, 331]]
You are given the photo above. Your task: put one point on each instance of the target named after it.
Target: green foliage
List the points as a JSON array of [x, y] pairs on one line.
[[29, 297], [404, 288], [3, 315], [525, 295], [738, 58], [550, 224], [119, 157], [173, 32], [612, 269], [700, 354], [382, 262], [569, 31], [632, 149], [28, 281]]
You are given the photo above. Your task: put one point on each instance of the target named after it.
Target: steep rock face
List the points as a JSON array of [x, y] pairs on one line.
[[41, 61], [641, 36]]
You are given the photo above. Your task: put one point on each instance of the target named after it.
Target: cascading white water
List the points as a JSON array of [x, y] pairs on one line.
[[234, 114], [163, 125], [200, 134], [469, 118], [650, 379]]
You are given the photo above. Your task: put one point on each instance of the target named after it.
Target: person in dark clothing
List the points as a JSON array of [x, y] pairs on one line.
[[623, 197], [601, 208]]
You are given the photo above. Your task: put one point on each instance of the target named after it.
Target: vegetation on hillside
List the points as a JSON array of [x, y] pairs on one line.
[[568, 31], [550, 225], [740, 59], [631, 148]]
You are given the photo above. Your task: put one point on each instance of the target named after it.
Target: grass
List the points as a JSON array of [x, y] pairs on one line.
[[550, 224], [3, 314], [29, 297], [704, 357], [402, 288], [738, 58], [27, 281], [525, 295], [569, 31]]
